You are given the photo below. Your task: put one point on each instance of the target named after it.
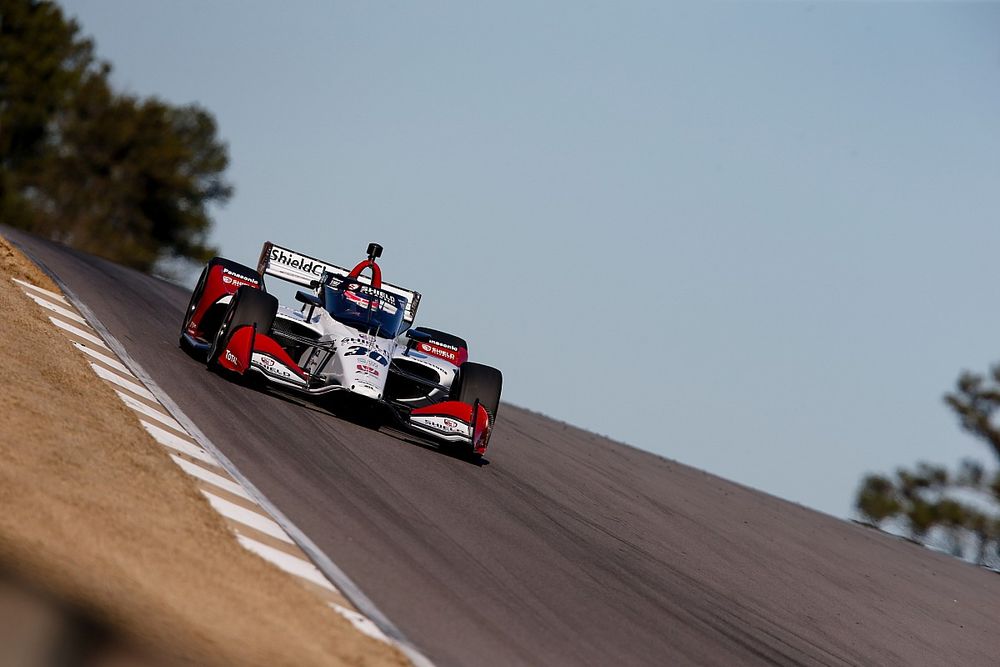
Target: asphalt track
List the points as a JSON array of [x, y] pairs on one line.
[[568, 548]]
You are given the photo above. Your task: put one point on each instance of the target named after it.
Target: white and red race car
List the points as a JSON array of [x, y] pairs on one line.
[[352, 335]]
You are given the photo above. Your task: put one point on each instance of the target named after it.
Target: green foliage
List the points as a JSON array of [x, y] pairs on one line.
[[976, 404], [130, 179], [925, 503]]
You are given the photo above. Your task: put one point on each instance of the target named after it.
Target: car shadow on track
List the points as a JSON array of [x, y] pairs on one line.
[[360, 414]]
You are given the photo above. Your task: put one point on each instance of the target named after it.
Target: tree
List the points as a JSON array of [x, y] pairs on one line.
[[41, 64], [126, 178], [956, 511]]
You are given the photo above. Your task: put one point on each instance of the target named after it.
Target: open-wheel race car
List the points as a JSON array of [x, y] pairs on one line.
[[353, 334]]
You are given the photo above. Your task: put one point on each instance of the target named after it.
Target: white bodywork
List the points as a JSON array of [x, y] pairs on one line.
[[359, 363], [353, 361]]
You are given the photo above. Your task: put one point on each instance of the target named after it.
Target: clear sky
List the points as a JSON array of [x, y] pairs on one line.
[[758, 238]]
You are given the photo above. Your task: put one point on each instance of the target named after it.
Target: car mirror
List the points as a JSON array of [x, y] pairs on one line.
[[418, 335], [308, 298]]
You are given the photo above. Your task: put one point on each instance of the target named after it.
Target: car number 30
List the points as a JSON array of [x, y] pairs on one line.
[[358, 351]]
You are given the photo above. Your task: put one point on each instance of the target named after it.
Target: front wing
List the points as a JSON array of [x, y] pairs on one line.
[[448, 421]]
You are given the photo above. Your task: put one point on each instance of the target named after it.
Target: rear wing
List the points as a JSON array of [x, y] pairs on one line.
[[304, 270]]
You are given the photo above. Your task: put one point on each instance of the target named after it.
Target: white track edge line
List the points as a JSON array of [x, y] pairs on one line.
[[209, 477], [294, 565], [76, 331], [259, 521], [331, 570], [361, 622], [148, 411], [24, 283], [124, 383], [106, 359], [55, 308], [168, 439]]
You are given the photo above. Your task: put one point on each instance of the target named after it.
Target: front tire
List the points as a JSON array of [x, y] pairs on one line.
[[199, 289], [207, 325], [249, 307], [478, 381]]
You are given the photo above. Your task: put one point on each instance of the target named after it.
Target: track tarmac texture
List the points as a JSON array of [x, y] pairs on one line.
[[566, 548]]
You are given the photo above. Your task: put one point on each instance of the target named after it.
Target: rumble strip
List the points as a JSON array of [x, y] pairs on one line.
[[241, 506]]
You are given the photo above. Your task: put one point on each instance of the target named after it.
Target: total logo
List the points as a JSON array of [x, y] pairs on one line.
[[231, 358]]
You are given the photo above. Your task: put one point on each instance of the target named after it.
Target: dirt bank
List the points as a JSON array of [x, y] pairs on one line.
[[94, 514]]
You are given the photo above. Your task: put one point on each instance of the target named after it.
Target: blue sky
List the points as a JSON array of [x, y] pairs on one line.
[[758, 238]]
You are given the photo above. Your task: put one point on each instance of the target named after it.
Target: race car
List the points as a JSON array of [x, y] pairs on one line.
[[352, 335]]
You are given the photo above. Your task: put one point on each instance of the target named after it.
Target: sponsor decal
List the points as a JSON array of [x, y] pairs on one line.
[[445, 345], [273, 367], [438, 351], [238, 279], [442, 424], [358, 350], [370, 370], [381, 295], [358, 341], [293, 260], [360, 300], [378, 299], [230, 357]]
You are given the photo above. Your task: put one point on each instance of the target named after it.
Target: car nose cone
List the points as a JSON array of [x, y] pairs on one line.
[[366, 390]]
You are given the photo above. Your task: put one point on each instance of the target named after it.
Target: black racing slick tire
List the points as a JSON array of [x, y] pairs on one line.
[[209, 328], [478, 381], [199, 289], [249, 307]]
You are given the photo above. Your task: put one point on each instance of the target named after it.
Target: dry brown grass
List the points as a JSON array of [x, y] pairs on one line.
[[93, 511]]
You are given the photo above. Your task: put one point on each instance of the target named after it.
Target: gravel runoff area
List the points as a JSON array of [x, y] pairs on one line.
[[98, 523]]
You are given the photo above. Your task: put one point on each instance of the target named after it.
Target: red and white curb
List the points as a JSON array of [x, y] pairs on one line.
[[257, 525]]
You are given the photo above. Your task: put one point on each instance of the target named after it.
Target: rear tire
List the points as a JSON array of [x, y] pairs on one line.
[[249, 307], [478, 381]]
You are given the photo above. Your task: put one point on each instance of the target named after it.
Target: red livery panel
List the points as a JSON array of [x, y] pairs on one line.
[[456, 355], [219, 282], [462, 412]]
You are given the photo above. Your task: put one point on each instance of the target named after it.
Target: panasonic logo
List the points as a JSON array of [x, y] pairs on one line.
[[239, 276]]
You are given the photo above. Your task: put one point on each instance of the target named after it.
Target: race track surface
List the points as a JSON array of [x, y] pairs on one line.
[[568, 548]]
